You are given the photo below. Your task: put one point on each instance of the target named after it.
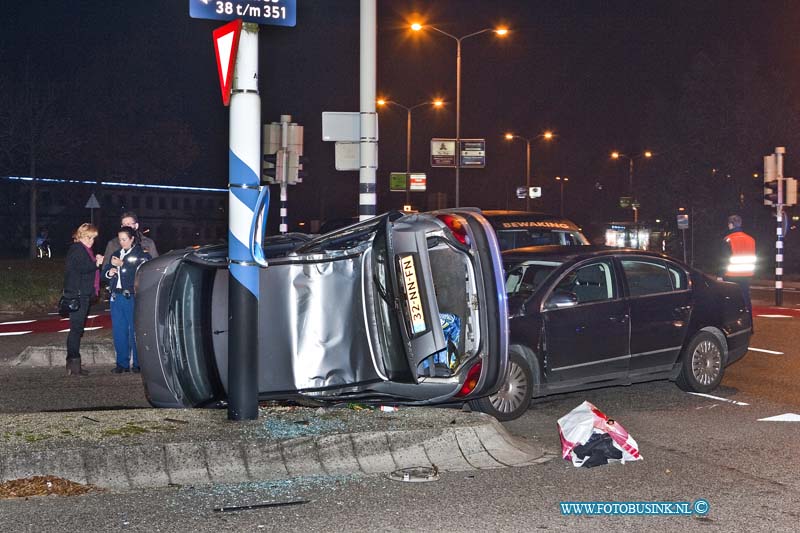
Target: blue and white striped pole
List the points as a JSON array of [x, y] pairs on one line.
[[243, 189]]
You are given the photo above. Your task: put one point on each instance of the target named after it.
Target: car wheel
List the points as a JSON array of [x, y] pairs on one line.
[[702, 364], [514, 395]]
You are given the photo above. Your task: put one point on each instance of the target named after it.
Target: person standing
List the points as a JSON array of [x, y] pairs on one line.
[[739, 253], [121, 273], [82, 281], [130, 220]]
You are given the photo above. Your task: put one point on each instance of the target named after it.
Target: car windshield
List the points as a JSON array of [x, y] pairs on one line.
[[343, 239], [522, 237], [523, 279]]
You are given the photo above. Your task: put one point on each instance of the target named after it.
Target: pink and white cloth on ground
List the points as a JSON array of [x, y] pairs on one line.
[[577, 427]]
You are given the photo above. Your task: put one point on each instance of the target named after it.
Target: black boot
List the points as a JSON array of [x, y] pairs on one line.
[[74, 368]]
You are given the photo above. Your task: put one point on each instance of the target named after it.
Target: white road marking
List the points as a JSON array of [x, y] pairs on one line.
[[787, 417], [14, 333], [765, 351], [16, 322], [84, 329], [734, 402], [774, 316]]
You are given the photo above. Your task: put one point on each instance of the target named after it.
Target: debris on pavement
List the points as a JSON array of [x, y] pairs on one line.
[[589, 438], [416, 474], [259, 506], [42, 486]]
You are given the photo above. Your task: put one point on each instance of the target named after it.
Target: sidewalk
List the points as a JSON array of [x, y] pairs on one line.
[[127, 449]]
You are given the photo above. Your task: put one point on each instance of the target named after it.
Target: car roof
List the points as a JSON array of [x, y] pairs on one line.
[[576, 253], [509, 219]]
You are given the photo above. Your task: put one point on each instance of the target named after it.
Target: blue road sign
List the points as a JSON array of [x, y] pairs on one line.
[[473, 153], [266, 12]]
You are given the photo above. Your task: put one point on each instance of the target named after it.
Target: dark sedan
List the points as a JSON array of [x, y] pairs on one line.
[[407, 309], [586, 317]]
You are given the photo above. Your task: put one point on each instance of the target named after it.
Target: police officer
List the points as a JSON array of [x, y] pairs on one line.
[[130, 220], [739, 253], [121, 273]]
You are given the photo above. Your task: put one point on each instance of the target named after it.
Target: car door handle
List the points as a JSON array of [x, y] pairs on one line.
[[621, 319]]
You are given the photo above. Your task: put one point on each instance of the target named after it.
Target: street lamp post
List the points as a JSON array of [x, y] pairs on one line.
[[617, 155], [499, 31], [510, 136], [435, 103], [561, 202]]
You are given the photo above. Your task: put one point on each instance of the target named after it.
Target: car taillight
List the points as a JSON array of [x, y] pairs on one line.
[[456, 228], [472, 380]]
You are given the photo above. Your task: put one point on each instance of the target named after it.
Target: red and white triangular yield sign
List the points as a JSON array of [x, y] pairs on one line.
[[226, 41]]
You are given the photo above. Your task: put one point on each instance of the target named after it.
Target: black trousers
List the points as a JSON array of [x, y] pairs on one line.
[[744, 284], [77, 321]]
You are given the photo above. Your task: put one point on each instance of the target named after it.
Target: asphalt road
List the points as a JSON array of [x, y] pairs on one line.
[[694, 447]]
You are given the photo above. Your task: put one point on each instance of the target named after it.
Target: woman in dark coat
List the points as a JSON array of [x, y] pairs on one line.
[[82, 281]]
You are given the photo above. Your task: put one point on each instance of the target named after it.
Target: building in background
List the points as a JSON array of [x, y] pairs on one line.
[[173, 216]]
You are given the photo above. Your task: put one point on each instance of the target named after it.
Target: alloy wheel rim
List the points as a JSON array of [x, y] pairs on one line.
[[513, 392], [706, 362]]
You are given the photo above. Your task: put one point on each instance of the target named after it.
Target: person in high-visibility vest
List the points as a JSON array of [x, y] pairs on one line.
[[739, 257]]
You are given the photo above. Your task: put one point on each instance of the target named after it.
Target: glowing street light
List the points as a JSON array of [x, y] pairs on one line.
[[547, 135], [437, 103], [501, 32]]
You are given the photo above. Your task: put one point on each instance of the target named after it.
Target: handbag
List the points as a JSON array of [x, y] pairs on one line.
[[67, 305]]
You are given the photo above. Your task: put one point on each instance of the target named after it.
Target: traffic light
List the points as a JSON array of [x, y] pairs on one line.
[[790, 191], [771, 192], [274, 168]]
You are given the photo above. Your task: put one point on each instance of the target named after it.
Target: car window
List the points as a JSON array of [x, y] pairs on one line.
[[646, 277], [522, 237], [678, 276], [525, 278], [589, 283]]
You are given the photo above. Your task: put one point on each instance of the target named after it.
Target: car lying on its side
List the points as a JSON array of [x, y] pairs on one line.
[[583, 317], [401, 309]]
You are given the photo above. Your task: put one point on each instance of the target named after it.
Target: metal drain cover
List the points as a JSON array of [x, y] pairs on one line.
[[416, 474]]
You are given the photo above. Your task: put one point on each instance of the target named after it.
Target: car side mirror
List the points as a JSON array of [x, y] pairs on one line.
[[560, 299]]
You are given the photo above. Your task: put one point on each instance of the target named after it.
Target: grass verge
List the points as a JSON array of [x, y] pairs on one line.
[[30, 285]]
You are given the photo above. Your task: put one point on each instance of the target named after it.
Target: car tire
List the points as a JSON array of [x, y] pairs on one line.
[[702, 364], [514, 395]]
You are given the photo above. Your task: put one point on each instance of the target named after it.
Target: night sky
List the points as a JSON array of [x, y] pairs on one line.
[[137, 93]]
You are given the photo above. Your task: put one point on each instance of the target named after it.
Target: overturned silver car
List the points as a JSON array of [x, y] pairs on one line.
[[399, 309]]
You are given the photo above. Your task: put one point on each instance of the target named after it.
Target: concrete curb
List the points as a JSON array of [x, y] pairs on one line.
[[92, 354], [454, 448]]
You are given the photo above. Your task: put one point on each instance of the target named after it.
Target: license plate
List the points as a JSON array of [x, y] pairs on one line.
[[413, 296]]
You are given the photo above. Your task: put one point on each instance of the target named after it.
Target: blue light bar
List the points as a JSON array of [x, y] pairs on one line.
[[117, 184]]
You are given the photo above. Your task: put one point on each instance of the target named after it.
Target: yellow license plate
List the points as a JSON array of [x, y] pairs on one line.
[[413, 297]]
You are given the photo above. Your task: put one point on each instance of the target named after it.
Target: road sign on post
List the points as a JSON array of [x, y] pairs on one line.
[[443, 152], [418, 182], [226, 41], [266, 13], [397, 181], [473, 153]]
